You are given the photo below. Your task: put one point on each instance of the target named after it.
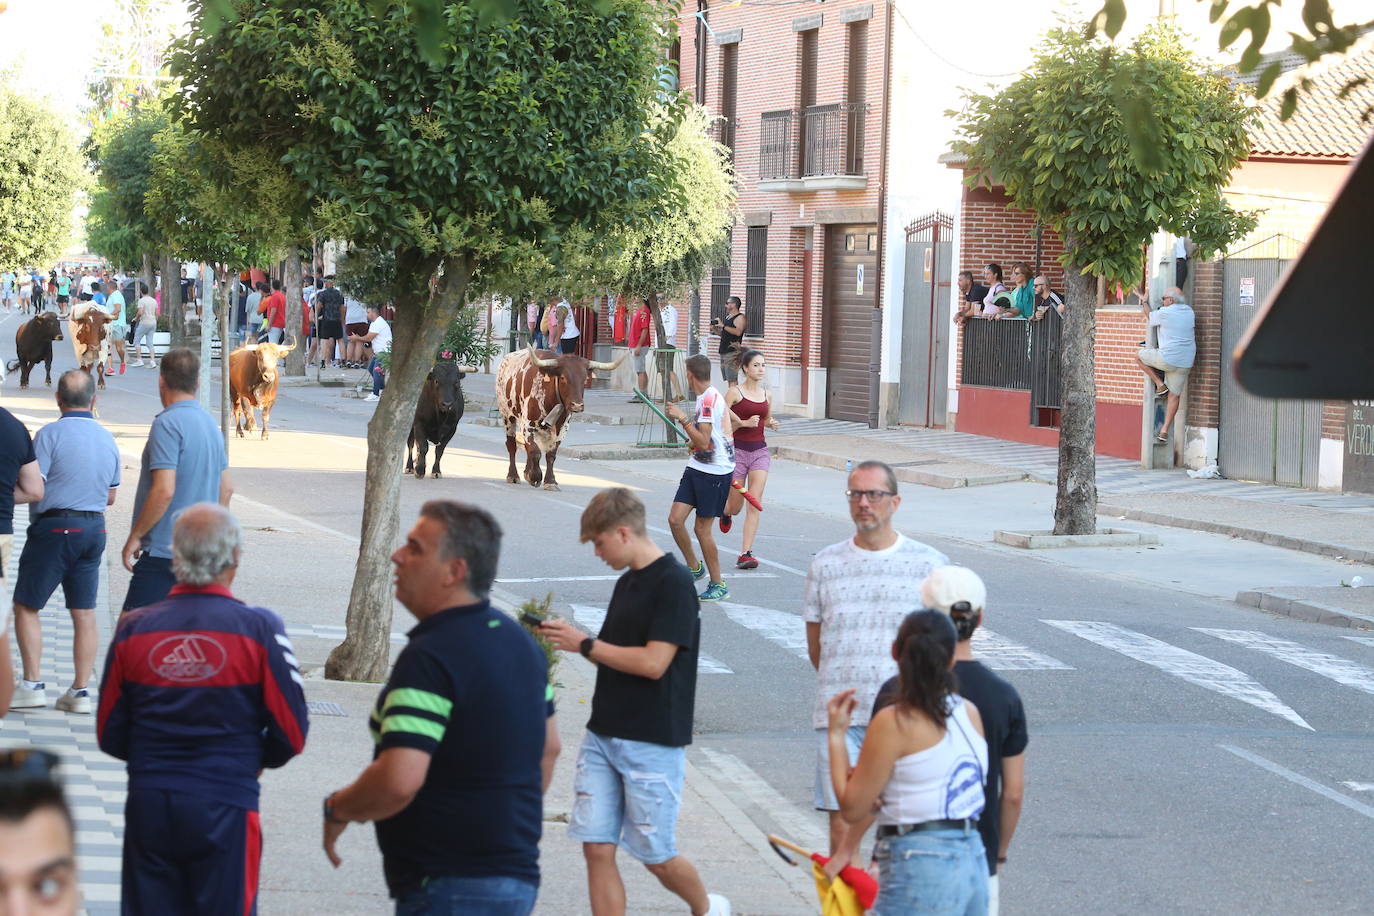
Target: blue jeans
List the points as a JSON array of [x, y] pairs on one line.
[[495, 896], [934, 871], [378, 376]]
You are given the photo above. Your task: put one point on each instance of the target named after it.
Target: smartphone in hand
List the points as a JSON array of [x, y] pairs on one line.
[[530, 620]]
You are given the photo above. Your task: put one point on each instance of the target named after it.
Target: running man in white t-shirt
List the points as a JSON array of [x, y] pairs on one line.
[[706, 480]]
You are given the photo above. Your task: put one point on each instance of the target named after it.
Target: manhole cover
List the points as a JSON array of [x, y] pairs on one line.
[[324, 708]]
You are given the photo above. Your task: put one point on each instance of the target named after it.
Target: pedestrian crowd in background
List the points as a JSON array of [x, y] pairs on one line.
[[1028, 298], [913, 735]]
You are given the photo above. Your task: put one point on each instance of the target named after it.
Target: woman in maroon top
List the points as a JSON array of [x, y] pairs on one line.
[[752, 407]]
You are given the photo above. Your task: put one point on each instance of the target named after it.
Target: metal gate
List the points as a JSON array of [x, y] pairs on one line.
[[1261, 439], [924, 386]]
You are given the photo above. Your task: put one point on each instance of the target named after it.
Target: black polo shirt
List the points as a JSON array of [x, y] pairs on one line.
[[471, 690], [16, 450]]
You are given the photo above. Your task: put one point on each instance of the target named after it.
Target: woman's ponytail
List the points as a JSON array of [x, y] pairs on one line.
[[925, 646]]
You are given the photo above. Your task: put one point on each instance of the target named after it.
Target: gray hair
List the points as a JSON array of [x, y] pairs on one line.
[[875, 465], [204, 540], [472, 534], [75, 389]]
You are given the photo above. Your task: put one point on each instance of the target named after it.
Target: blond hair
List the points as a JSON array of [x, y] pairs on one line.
[[610, 509]]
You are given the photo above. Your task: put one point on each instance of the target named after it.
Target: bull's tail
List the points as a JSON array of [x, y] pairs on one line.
[[12, 365]]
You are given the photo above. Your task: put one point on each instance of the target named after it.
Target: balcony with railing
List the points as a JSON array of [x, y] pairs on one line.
[[815, 149]]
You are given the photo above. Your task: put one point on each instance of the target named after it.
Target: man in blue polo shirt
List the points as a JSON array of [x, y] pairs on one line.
[[184, 463], [464, 731], [79, 462]]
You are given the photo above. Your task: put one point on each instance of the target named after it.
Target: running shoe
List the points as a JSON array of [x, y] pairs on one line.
[[747, 560], [699, 570], [121, 368], [716, 591], [726, 523], [750, 498], [77, 701], [29, 697]]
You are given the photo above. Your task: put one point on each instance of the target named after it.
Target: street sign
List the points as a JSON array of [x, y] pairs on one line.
[[859, 283], [1247, 290]]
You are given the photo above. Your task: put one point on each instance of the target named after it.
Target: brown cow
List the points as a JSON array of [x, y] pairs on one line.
[[253, 382], [33, 345], [88, 340], [537, 394]]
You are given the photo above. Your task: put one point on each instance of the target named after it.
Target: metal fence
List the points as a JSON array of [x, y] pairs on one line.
[[834, 139], [777, 146], [997, 354]]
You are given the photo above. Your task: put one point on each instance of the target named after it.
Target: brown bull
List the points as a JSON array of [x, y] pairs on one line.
[[33, 345], [537, 394], [88, 340], [253, 380]]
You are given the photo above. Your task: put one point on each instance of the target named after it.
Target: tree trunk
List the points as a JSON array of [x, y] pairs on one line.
[[147, 275], [171, 300], [1075, 504], [295, 360], [226, 410], [421, 321]]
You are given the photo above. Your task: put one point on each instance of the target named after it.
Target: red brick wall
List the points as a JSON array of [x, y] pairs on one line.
[[1333, 420], [1120, 330], [768, 81], [1204, 382]]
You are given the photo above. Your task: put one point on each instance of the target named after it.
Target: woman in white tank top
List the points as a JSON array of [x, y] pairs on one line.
[[924, 763]]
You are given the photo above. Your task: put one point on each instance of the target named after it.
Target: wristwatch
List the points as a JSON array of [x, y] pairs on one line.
[[329, 810], [586, 647]]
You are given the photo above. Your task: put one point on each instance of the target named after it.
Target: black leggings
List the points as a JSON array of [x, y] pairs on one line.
[[569, 344]]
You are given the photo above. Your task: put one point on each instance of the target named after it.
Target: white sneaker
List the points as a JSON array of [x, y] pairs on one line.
[[78, 701], [371, 397], [720, 906], [29, 697], [139, 363]]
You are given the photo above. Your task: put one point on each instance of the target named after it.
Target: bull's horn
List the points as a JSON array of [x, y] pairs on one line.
[[540, 361], [290, 348], [468, 370], [608, 367]]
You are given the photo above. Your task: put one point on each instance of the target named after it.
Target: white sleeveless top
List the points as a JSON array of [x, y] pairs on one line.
[[570, 325], [944, 782]]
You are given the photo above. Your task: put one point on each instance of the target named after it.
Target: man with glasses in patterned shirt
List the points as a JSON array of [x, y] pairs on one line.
[[857, 593]]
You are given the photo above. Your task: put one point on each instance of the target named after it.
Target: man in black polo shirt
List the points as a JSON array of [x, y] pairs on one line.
[[632, 763], [960, 593], [465, 734]]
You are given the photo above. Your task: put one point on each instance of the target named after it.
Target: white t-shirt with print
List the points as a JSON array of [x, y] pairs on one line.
[[859, 597], [382, 342], [719, 458]]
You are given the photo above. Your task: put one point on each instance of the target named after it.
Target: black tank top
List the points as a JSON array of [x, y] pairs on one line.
[[729, 339]]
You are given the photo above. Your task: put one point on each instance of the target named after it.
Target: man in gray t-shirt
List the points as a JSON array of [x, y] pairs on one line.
[[183, 463], [1175, 354]]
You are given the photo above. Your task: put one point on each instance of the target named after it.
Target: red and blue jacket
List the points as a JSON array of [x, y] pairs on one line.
[[201, 692]]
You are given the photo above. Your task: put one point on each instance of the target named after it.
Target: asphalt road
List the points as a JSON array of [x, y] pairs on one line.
[[1187, 755]]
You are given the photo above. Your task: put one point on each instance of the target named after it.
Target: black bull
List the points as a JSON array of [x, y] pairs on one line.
[[436, 416], [33, 345]]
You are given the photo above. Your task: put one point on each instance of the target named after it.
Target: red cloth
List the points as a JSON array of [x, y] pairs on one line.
[[618, 325], [639, 327]]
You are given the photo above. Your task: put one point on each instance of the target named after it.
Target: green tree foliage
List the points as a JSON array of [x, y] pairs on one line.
[[530, 132], [40, 176], [1323, 36], [119, 227], [1058, 141]]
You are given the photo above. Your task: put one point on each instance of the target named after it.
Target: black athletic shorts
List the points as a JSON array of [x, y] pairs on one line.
[[329, 330]]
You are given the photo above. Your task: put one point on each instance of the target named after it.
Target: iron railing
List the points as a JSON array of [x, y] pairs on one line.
[[834, 139], [777, 145], [1017, 355]]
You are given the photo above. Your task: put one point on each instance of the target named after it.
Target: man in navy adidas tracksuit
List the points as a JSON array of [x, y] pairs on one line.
[[200, 693]]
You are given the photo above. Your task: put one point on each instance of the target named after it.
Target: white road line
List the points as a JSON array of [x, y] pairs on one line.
[[795, 823], [1362, 640], [1300, 780], [1340, 670], [787, 630], [1001, 654], [1359, 786], [1191, 667], [592, 617], [600, 578]]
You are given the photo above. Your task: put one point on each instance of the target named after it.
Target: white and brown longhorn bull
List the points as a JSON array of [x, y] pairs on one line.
[[537, 394]]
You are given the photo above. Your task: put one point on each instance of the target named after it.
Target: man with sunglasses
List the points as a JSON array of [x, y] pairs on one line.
[[38, 871], [857, 593]]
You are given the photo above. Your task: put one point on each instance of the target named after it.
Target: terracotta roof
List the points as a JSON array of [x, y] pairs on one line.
[[1324, 126]]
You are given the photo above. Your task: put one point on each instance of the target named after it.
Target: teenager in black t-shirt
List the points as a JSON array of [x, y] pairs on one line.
[[960, 593], [632, 762]]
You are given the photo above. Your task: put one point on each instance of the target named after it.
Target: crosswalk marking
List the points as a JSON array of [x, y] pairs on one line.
[[592, 617], [1001, 654], [1340, 670], [1362, 640], [1196, 669], [1358, 786], [787, 630]]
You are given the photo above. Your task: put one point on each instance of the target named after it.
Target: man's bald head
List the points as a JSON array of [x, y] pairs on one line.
[[206, 543]]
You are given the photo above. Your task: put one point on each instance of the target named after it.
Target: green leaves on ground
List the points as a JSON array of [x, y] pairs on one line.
[[40, 176]]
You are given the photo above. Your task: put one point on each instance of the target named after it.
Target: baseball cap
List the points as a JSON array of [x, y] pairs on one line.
[[950, 585]]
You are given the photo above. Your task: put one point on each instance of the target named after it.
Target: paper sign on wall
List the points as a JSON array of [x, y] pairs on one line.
[[1247, 290], [926, 267], [859, 283]]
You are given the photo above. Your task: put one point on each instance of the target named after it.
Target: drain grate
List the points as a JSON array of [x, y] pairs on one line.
[[324, 708]]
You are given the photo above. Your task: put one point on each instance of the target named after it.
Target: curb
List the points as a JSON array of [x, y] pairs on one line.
[[1305, 545], [631, 453], [1304, 609], [926, 476], [1045, 540]]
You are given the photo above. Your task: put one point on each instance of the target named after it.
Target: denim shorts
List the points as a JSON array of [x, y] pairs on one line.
[[496, 895], [934, 871], [61, 551], [628, 792], [824, 798]]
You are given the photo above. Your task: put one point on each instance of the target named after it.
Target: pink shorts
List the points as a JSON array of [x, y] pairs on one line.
[[756, 460]]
